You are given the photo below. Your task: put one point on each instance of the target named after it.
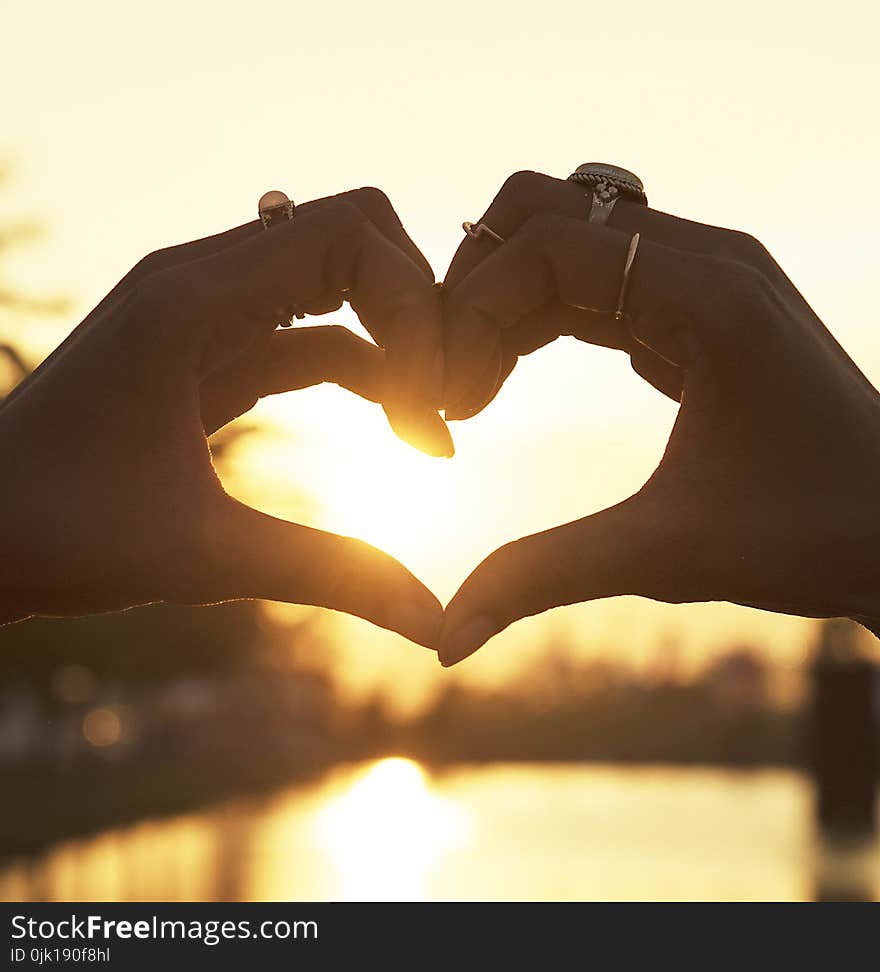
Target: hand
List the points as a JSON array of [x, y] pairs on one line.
[[767, 493], [109, 498]]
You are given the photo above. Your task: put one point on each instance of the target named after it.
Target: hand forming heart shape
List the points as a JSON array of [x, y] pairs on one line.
[[767, 492], [766, 495]]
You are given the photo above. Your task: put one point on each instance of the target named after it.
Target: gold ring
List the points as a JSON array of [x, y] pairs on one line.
[[476, 230]]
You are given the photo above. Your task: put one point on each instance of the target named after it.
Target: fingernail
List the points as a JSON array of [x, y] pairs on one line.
[[467, 639], [428, 433], [433, 438], [420, 624]]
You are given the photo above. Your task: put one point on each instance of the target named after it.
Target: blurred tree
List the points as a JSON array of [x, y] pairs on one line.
[[14, 302]]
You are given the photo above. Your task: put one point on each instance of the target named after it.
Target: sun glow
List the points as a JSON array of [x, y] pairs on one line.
[[400, 501], [360, 480], [387, 832]]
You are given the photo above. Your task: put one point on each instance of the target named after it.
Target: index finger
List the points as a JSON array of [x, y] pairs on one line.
[[524, 194], [372, 202], [322, 255]]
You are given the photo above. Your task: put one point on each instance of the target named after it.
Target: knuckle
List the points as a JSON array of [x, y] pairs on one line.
[[750, 291], [502, 565], [455, 313], [343, 213], [403, 304], [522, 184], [464, 296], [342, 224], [737, 299], [650, 327], [153, 262], [169, 294], [337, 333], [746, 248], [540, 228], [153, 296], [715, 301], [371, 200], [339, 337], [516, 580]]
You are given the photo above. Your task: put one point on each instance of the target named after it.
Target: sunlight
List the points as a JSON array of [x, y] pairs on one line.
[[388, 831], [387, 503], [364, 482]]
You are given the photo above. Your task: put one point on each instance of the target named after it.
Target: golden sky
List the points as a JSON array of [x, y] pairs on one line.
[[136, 126]]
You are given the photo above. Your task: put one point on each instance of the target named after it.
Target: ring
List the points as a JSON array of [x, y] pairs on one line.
[[274, 207], [607, 184], [624, 284], [476, 230]]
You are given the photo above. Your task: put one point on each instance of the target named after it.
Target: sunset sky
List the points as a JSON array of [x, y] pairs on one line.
[[133, 127]]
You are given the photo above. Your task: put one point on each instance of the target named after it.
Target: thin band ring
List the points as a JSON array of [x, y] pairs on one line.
[[476, 230], [624, 284], [618, 313]]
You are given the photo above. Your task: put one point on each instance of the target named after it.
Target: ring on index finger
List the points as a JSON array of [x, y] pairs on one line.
[[476, 230]]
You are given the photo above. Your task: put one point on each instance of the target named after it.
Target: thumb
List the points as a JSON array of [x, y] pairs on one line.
[[258, 556], [609, 553]]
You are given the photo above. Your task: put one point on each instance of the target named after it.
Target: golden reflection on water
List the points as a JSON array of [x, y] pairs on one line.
[[389, 830]]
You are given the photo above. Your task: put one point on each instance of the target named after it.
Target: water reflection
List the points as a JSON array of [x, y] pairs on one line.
[[390, 830]]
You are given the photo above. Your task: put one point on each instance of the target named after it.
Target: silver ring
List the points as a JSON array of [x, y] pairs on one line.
[[608, 183], [274, 207], [476, 230]]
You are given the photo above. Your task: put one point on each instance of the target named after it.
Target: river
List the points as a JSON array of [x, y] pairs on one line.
[[390, 829]]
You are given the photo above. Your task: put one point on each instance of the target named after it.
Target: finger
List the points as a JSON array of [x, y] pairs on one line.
[[234, 298], [258, 556], [373, 203], [377, 207], [523, 195], [532, 331], [291, 359], [665, 376], [526, 194], [288, 360], [617, 551], [537, 278], [567, 274]]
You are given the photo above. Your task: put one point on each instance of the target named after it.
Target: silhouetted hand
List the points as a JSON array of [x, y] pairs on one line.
[[767, 494], [108, 496]]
